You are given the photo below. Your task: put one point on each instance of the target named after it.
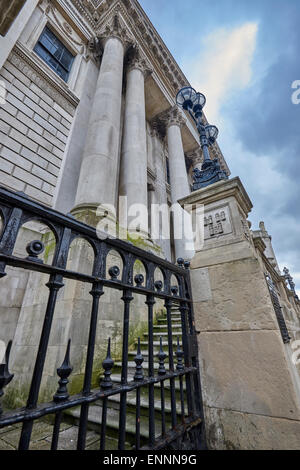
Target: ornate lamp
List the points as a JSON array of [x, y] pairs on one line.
[[185, 97], [193, 102], [212, 133], [198, 104]]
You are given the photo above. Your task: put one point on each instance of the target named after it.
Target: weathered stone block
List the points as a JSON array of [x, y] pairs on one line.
[[33, 157], [201, 285], [39, 195], [13, 122], [27, 177], [16, 73], [247, 371], [5, 166], [45, 175], [10, 143], [232, 296], [230, 430], [49, 156], [19, 105], [12, 182], [16, 159], [38, 139]]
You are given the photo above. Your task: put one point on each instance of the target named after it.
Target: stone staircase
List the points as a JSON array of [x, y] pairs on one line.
[[95, 410]]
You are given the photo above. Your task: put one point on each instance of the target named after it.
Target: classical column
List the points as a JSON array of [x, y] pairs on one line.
[[179, 185], [99, 169], [133, 171]]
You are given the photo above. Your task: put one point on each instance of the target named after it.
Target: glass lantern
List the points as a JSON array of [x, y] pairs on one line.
[[186, 97]]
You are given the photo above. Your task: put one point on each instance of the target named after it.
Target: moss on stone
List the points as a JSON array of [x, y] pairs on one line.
[[15, 397], [136, 331]]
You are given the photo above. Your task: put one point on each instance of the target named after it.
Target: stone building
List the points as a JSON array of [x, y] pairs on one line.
[[88, 116]]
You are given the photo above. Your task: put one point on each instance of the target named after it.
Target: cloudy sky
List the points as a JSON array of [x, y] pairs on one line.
[[244, 56]]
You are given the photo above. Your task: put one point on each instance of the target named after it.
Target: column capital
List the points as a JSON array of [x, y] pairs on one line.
[[139, 63], [116, 29], [172, 117]]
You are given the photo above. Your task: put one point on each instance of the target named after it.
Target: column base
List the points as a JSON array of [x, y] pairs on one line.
[[94, 215], [142, 240]]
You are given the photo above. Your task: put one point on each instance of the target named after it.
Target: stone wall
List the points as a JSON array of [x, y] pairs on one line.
[[34, 131]]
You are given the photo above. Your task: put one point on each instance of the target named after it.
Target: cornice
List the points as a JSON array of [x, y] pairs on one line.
[[258, 243], [219, 191]]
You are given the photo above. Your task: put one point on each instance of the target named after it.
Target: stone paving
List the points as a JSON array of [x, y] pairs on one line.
[[42, 436]]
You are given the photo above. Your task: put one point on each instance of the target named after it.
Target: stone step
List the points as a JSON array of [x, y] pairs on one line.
[[157, 343], [131, 355], [174, 319], [165, 326], [114, 402], [156, 347], [116, 378], [112, 423], [164, 333], [132, 365]]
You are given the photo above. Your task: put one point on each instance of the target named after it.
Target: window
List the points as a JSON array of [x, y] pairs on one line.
[[54, 53]]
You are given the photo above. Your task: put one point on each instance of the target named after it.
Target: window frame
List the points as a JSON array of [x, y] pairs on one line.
[[64, 49]]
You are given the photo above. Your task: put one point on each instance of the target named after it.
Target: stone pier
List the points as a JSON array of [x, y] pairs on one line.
[[251, 398]]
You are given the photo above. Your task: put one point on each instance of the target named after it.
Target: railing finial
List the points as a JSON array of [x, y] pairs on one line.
[[64, 371], [107, 364], [139, 373], [179, 355], [161, 357]]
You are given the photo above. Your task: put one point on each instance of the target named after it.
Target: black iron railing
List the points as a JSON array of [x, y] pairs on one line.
[[16, 210]]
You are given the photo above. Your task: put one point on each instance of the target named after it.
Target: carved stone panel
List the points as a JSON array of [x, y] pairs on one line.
[[217, 223]]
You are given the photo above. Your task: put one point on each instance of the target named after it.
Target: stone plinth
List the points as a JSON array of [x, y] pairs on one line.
[[250, 397]]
